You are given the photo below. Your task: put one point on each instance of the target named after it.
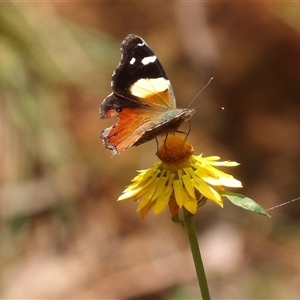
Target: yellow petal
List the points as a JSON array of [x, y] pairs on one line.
[[177, 184], [134, 188], [210, 158], [129, 194], [142, 175], [144, 182], [146, 173], [170, 176], [191, 205], [161, 186], [214, 179], [223, 178], [188, 185], [162, 201], [144, 211], [143, 202], [148, 195], [225, 163], [206, 190], [181, 194]]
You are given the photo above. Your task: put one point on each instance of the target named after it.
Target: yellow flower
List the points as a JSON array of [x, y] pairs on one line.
[[179, 179]]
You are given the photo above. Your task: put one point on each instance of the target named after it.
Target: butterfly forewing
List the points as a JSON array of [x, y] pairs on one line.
[[140, 74]]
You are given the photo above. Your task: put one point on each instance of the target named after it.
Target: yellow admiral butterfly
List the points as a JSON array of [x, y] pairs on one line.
[[142, 98]]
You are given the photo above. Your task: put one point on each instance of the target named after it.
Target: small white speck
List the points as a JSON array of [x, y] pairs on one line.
[[132, 61]]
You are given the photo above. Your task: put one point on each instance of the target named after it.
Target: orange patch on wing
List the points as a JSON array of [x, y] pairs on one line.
[[129, 127], [134, 122]]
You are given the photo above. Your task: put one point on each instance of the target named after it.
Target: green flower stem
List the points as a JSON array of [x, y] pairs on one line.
[[191, 231]]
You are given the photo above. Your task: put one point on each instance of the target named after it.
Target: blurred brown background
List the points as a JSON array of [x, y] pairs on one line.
[[63, 235]]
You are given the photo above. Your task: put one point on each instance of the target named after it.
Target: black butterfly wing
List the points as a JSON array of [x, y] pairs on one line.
[[138, 81]]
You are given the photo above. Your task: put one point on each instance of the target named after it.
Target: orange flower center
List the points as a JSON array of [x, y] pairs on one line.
[[175, 153]]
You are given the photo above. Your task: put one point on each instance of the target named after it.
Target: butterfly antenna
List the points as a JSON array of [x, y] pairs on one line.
[[200, 91], [296, 199]]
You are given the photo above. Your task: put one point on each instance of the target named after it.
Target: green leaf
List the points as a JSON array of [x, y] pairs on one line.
[[245, 202]]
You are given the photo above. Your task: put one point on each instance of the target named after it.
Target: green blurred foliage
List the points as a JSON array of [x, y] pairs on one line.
[[42, 58], [36, 66]]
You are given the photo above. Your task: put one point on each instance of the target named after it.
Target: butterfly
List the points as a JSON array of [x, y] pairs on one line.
[[142, 98]]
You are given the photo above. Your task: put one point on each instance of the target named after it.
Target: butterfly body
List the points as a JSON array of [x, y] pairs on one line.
[[142, 99]]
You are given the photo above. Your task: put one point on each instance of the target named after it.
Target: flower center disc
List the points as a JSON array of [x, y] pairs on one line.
[[175, 153]]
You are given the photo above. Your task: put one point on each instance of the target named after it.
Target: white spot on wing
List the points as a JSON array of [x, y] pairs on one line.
[[141, 44], [132, 61], [148, 86], [149, 59]]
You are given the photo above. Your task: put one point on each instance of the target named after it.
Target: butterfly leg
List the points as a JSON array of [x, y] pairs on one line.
[[186, 133], [165, 141], [157, 145]]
